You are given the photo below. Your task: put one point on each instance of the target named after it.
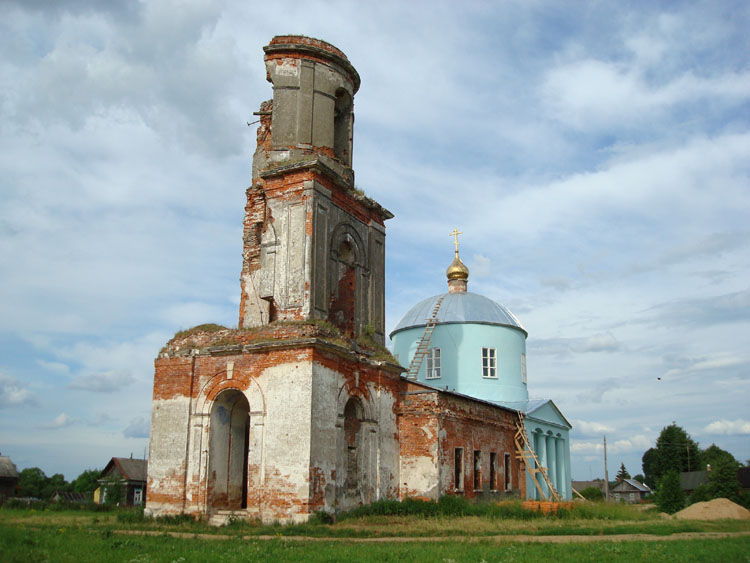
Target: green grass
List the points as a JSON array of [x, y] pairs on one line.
[[84, 544], [388, 519]]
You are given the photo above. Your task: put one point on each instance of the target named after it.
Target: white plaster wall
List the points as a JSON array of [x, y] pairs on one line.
[[378, 446], [167, 449], [286, 445]]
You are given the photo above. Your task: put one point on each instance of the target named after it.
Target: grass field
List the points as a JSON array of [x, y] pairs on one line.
[[81, 536]]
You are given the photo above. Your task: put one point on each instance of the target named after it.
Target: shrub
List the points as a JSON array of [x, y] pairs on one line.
[[700, 494], [592, 493], [670, 498], [131, 516]]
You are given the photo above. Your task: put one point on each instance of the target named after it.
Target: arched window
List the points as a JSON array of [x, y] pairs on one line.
[[342, 127]]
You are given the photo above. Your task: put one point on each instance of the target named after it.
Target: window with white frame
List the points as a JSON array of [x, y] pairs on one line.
[[523, 368], [489, 362], [433, 363]]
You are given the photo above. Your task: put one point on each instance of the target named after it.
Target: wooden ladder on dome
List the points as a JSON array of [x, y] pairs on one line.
[[525, 452], [424, 343]]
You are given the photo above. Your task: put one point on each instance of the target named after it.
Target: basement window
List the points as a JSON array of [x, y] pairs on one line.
[[477, 470], [458, 469], [489, 363], [433, 363], [493, 471], [508, 481]]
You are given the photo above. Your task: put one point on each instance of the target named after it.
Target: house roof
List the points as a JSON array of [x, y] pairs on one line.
[[743, 476], [129, 468], [70, 496], [690, 480], [631, 485], [459, 308], [7, 468], [581, 485]]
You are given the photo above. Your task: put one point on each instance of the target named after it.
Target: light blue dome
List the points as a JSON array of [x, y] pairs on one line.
[[459, 308]]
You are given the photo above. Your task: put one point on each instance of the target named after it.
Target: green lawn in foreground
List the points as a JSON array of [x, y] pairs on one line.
[[21, 544], [59, 534]]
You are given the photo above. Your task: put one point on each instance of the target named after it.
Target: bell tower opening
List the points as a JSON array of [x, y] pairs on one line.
[[343, 119]]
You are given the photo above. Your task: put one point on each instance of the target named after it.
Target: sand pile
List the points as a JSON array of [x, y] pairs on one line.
[[716, 509]]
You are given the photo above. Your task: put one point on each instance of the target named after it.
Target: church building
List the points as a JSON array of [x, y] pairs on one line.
[[468, 344], [302, 408]]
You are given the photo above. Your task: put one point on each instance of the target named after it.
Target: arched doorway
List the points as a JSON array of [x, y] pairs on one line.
[[228, 445]]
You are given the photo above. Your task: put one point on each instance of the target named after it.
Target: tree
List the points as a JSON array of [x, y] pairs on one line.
[[713, 455], [722, 480], [675, 451], [700, 494], [622, 473], [31, 482], [670, 497], [86, 482], [639, 478], [55, 483]]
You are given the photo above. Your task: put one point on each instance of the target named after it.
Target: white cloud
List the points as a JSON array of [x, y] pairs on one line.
[[102, 382], [728, 427], [61, 421], [578, 447], [589, 428], [591, 93], [710, 364], [13, 393], [137, 428], [602, 342], [481, 266], [56, 367], [637, 443]]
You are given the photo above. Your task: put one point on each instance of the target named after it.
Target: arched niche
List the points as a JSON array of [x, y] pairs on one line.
[[347, 277]]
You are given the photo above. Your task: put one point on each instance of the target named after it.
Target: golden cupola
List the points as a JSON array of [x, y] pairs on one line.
[[457, 272]]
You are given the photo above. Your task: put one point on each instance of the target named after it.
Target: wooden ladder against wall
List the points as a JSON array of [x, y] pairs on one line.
[[424, 343], [525, 451]]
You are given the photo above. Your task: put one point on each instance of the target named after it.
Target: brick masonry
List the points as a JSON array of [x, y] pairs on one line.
[[300, 409]]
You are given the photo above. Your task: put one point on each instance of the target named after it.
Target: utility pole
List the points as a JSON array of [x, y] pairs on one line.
[[606, 473]]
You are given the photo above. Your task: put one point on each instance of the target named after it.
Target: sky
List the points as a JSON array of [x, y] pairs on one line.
[[595, 155]]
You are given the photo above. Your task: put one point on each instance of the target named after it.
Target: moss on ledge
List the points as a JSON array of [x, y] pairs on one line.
[[208, 336]]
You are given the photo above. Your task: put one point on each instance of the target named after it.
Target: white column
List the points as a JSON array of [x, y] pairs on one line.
[[541, 454], [562, 477], [552, 461]]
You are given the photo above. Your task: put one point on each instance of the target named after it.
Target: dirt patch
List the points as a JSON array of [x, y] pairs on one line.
[[716, 509]]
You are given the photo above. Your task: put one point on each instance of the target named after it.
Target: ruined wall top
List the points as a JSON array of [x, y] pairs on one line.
[[299, 46]]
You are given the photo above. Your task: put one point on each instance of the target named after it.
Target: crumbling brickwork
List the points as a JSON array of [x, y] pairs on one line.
[[434, 425], [313, 244], [293, 412], [296, 384]]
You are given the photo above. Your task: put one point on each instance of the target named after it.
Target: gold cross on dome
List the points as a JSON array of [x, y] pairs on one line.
[[455, 234]]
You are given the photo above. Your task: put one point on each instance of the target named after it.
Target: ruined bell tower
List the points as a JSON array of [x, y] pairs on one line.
[[287, 419], [314, 245]]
